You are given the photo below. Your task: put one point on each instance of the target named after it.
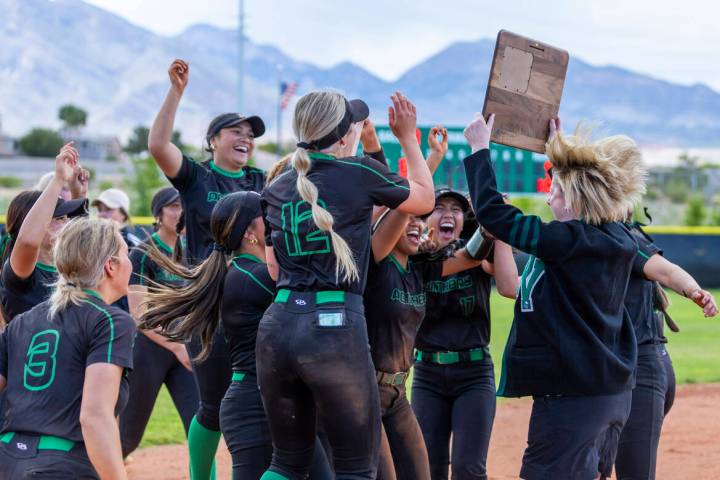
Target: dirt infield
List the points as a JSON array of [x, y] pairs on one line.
[[689, 447]]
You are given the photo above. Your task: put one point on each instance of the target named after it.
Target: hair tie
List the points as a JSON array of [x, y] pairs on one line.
[[305, 145], [220, 248], [70, 284]]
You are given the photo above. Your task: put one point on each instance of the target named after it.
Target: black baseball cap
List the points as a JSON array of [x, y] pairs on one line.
[[250, 208], [227, 120], [448, 192], [355, 111], [164, 196], [72, 208]]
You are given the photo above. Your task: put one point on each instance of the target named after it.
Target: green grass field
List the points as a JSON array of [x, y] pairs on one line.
[[694, 351]]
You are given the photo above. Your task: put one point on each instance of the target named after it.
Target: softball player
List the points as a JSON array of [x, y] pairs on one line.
[[395, 301], [230, 141], [312, 352], [34, 221], [156, 360], [454, 382], [238, 292], [62, 364], [571, 345], [638, 442]]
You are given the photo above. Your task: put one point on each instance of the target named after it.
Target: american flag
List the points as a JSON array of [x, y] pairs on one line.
[[287, 90]]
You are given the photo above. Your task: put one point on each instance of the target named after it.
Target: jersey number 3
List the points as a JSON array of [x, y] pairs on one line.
[[39, 371], [314, 241]]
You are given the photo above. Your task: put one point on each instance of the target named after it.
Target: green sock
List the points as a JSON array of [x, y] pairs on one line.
[[268, 475], [202, 444]]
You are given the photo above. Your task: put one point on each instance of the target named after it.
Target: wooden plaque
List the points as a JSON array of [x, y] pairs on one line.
[[524, 90]]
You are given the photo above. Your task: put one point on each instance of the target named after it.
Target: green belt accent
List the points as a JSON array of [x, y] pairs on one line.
[[330, 296], [238, 376], [47, 442], [324, 296], [449, 358], [282, 296]]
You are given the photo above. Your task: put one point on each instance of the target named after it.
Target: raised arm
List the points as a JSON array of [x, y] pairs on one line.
[[402, 117], [672, 276], [438, 148], [166, 154], [387, 233], [549, 241], [36, 223]]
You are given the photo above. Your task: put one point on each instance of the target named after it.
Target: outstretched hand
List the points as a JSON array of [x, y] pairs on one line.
[[402, 117], [66, 162], [706, 301], [438, 146], [478, 132], [78, 185], [427, 242], [179, 73], [368, 137]]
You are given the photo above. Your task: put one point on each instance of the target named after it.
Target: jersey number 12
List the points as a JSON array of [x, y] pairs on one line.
[[314, 241]]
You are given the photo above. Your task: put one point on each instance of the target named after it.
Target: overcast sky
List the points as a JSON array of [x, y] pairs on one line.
[[674, 40]]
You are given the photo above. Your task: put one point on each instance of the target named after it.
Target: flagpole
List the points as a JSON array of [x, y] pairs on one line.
[[278, 148]]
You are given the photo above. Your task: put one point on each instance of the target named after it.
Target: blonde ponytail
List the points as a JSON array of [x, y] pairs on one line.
[[81, 250], [345, 261], [316, 115]]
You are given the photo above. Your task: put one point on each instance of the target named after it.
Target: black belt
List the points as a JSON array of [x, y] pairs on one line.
[[397, 378]]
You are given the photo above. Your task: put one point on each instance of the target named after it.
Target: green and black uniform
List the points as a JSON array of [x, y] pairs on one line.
[[312, 348], [201, 185], [571, 345], [247, 293], [154, 365], [453, 391], [638, 443], [19, 295], [44, 360], [395, 302]]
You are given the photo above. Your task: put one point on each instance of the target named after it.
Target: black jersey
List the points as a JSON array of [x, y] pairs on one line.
[[571, 334], [146, 271], [458, 313], [44, 362], [201, 185], [20, 295], [639, 299], [247, 293], [395, 302], [349, 187]]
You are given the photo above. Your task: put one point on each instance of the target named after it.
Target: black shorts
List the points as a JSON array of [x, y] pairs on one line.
[[20, 458], [568, 436]]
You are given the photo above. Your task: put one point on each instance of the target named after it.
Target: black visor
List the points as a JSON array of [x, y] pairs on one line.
[[71, 208], [355, 111]]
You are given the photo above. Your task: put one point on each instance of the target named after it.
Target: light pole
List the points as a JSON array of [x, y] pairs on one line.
[[278, 148], [241, 55]]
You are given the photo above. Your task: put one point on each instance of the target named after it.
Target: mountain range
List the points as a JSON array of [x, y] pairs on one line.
[[68, 51]]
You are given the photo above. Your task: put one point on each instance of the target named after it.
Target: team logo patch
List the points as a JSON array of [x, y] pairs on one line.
[[21, 446], [300, 301]]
